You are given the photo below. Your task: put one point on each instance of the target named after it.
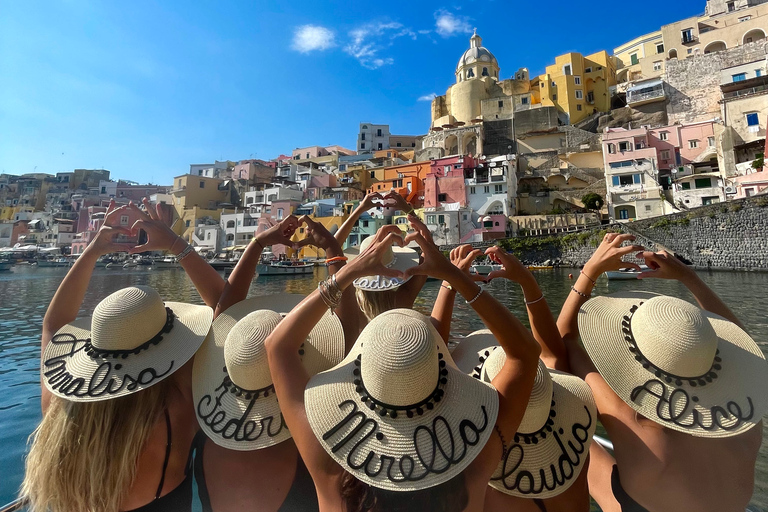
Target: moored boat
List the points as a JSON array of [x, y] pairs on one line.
[[5, 266], [165, 262], [53, 262], [284, 268], [483, 269], [624, 274]]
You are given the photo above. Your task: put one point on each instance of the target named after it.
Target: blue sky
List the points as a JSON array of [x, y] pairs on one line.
[[145, 88]]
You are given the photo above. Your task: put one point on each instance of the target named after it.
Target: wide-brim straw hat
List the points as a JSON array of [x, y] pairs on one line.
[[396, 257], [397, 413], [685, 368], [554, 434], [131, 342], [235, 400]]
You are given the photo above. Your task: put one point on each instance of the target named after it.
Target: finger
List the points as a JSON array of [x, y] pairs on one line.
[[142, 214], [627, 264], [480, 279], [473, 256], [390, 240], [630, 249], [120, 247], [620, 239], [152, 212], [418, 270], [302, 243], [384, 231], [418, 238], [307, 221], [389, 272], [139, 224], [110, 207], [464, 250], [649, 274], [117, 229], [608, 238], [496, 274], [139, 248]]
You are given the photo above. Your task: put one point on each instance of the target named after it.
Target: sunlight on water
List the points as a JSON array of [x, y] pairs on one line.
[[26, 292]]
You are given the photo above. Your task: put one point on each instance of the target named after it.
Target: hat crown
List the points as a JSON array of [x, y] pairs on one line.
[[244, 353], [675, 336], [387, 258], [127, 318], [540, 402], [399, 359]]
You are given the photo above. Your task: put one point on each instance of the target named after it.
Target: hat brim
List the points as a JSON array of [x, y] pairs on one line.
[[68, 372], [349, 431], [560, 447], [253, 421], [731, 404], [404, 258], [471, 352]]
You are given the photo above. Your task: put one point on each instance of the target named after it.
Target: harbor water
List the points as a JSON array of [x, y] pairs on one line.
[[26, 291]]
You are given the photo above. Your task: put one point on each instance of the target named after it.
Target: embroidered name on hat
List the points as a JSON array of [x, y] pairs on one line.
[[377, 282]]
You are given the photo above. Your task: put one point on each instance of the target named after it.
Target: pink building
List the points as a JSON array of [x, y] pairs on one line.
[[95, 216], [445, 180]]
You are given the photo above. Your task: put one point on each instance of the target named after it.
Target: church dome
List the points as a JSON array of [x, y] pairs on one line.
[[476, 54]]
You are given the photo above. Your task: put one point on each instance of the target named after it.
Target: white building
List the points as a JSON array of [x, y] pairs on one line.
[[493, 187], [372, 137], [274, 193]]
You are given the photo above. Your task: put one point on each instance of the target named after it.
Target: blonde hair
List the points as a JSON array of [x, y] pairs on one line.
[[373, 304], [84, 455]]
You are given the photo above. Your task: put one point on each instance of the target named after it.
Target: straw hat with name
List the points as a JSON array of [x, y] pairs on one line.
[[232, 388], [393, 410], [560, 413], [685, 368], [398, 258], [132, 341]]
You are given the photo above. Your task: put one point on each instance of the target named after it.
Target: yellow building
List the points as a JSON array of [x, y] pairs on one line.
[[640, 58], [578, 86], [194, 199], [332, 224], [9, 212]]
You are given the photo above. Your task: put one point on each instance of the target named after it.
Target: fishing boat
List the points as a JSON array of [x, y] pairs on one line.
[[220, 264], [284, 268], [53, 262]]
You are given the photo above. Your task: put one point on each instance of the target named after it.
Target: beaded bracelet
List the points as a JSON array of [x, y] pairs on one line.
[[476, 296], [336, 259], [573, 288], [532, 302]]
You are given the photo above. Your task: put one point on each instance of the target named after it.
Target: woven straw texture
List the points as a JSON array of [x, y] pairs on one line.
[[235, 348], [680, 339], [398, 258], [472, 352], [552, 443], [400, 352], [124, 320]]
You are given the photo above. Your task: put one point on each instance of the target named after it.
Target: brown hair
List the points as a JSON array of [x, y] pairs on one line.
[[450, 496]]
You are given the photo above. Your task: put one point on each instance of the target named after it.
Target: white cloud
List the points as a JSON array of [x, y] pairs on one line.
[[308, 38], [448, 24], [370, 39], [428, 97]]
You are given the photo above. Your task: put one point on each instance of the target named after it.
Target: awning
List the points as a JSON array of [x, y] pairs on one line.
[[646, 84], [235, 248]]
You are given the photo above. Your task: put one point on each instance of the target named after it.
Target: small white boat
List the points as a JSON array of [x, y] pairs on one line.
[[624, 274], [166, 262], [284, 268], [130, 264], [483, 269], [53, 262]]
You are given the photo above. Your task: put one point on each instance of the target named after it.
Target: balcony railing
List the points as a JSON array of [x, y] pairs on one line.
[[648, 96], [746, 92], [687, 39]]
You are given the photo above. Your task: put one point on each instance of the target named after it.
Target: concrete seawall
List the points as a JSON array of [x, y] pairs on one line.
[[725, 236]]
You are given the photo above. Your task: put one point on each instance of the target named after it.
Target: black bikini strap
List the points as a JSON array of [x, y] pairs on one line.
[[167, 453]]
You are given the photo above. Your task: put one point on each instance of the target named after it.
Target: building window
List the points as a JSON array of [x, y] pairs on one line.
[[711, 142], [501, 104], [611, 148], [577, 80], [657, 65], [739, 77], [186, 223], [554, 84], [470, 73], [497, 189], [579, 95], [625, 146], [380, 146], [626, 180], [124, 220], [647, 208], [485, 71], [471, 190], [752, 119], [578, 107], [687, 35], [554, 97], [685, 186], [362, 145], [703, 182], [663, 135], [202, 184], [633, 59], [431, 219], [567, 70], [693, 143], [442, 197], [591, 97], [486, 190], [373, 174], [399, 144], [365, 223], [362, 136], [660, 48], [542, 85], [665, 154], [524, 100], [731, 6], [588, 70], [744, 18], [378, 132]]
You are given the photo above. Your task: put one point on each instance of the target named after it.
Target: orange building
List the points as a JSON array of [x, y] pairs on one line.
[[407, 180]]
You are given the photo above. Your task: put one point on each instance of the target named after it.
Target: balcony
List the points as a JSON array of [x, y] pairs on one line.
[[178, 190], [689, 38], [648, 92]]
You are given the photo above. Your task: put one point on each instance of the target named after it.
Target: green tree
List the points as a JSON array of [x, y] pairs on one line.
[[593, 201]]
